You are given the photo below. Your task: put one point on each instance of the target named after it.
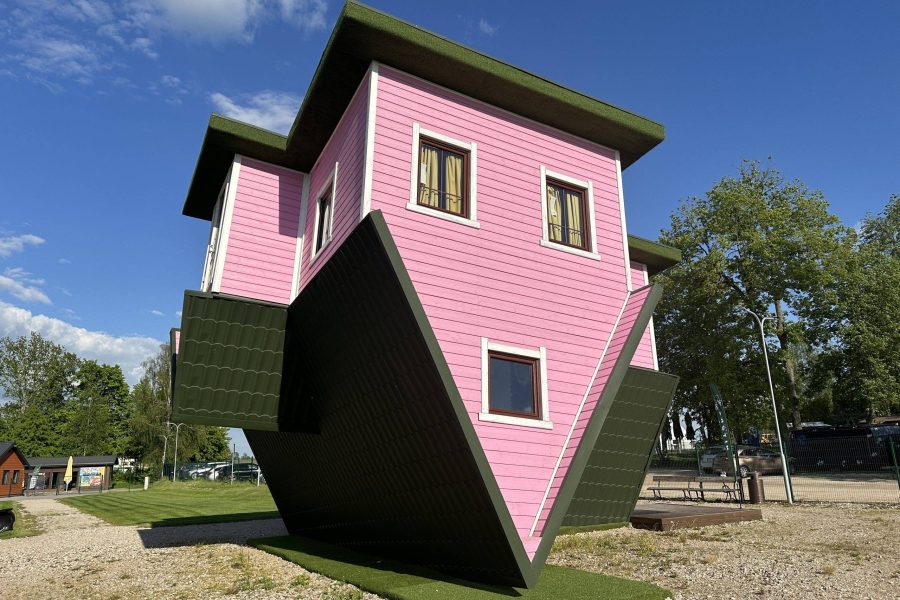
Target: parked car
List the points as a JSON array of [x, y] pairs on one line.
[[862, 448], [706, 461], [750, 458], [241, 472]]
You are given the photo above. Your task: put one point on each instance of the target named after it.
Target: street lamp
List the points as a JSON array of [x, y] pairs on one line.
[[165, 438], [784, 466]]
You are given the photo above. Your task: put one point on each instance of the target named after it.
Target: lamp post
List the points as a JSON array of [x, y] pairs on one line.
[[789, 493], [175, 458]]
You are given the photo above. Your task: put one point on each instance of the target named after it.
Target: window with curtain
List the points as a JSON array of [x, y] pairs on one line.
[[324, 222], [566, 215], [443, 178], [15, 477], [513, 386]]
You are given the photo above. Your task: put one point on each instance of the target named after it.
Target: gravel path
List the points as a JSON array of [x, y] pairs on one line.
[[806, 551], [80, 556]]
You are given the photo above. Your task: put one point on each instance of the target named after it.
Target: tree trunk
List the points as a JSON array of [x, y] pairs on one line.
[[790, 367]]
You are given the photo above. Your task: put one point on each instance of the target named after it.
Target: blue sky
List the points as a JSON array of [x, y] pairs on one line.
[[103, 106]]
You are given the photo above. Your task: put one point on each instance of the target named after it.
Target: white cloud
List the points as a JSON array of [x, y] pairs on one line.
[[177, 313], [19, 283], [64, 261], [17, 243], [211, 20], [486, 28], [158, 313], [267, 109], [126, 351], [306, 14]]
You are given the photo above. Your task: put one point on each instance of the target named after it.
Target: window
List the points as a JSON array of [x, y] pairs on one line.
[[15, 477], [324, 221], [566, 215], [442, 180], [514, 385], [443, 175], [5, 477]]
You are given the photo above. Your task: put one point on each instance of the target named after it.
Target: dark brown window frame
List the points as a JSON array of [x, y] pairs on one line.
[[536, 400], [586, 225], [424, 139]]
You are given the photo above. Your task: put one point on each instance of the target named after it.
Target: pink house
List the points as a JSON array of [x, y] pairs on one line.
[[423, 305]]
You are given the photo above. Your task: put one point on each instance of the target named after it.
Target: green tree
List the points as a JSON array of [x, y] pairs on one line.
[[99, 412], [755, 241], [859, 315], [36, 372]]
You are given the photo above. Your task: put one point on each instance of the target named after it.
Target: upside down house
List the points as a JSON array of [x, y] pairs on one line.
[[423, 307]]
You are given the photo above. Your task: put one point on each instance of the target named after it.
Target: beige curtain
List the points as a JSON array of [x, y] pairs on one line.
[[454, 181], [554, 214], [428, 177], [573, 212]]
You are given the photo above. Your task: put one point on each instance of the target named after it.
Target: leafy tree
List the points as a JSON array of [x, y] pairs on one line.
[[755, 241], [36, 372], [99, 412], [859, 313]]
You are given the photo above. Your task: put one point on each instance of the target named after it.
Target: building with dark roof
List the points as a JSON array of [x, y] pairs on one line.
[[93, 472]]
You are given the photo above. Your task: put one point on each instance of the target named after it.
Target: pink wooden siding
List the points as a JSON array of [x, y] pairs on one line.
[[497, 281], [347, 148], [259, 258], [632, 308], [643, 356], [177, 341]]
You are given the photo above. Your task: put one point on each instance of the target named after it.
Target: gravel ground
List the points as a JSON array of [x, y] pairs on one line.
[[806, 551], [80, 556]]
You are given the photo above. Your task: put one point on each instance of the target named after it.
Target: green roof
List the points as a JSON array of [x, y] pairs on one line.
[[362, 35], [658, 257]]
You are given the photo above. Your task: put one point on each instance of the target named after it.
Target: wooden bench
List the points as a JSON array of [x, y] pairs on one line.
[[695, 487]]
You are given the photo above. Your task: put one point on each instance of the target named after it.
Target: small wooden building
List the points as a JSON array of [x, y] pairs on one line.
[[88, 472], [12, 469]]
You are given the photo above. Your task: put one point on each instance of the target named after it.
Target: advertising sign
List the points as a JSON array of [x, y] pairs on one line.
[[90, 476]]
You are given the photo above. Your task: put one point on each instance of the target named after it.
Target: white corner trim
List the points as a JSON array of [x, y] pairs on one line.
[[629, 284], [301, 236], [588, 187], [587, 391], [369, 168], [413, 203], [226, 223], [541, 355], [330, 182], [651, 326]]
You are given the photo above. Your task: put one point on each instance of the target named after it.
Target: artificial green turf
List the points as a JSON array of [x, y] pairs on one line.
[[25, 525], [398, 581], [181, 503]]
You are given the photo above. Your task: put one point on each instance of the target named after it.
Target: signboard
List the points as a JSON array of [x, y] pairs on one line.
[[90, 476]]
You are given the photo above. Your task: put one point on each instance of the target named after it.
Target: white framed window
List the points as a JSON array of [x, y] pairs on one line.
[[514, 385], [567, 211], [443, 173], [324, 222]]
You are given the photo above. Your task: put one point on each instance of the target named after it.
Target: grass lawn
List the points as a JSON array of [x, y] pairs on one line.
[[182, 503], [397, 581], [25, 526]]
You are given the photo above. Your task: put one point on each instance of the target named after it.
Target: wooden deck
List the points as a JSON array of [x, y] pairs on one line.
[[665, 517]]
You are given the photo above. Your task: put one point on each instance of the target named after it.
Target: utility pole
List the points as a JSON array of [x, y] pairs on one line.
[[175, 458]]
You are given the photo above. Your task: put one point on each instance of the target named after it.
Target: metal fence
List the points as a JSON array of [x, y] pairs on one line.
[[857, 469]]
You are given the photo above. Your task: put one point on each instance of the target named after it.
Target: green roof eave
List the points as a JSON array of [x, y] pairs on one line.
[[658, 257], [362, 35]]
